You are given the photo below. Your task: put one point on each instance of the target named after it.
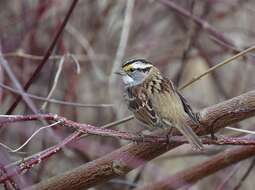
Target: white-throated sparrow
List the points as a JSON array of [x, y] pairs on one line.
[[155, 101]]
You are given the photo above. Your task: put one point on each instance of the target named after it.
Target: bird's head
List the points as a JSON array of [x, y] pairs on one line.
[[135, 71]]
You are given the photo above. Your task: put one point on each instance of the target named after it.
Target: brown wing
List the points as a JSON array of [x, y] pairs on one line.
[[181, 125], [187, 108], [140, 104]]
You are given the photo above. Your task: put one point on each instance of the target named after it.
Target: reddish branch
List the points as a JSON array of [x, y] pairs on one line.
[[92, 130], [202, 170], [30, 162], [133, 155], [46, 56], [8, 183], [37, 158]]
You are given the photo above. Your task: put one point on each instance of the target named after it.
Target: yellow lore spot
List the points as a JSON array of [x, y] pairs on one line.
[[127, 68]]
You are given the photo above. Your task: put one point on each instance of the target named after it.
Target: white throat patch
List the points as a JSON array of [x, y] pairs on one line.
[[127, 80]]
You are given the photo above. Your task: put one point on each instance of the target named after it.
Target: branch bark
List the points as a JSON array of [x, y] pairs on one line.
[[133, 155], [202, 170]]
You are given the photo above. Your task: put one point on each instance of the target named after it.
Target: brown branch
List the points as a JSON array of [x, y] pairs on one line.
[[133, 155], [193, 174]]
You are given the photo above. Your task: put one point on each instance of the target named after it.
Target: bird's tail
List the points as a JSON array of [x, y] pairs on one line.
[[190, 135]]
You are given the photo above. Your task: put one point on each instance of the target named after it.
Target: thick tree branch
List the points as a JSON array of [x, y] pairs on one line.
[[202, 170], [133, 155]]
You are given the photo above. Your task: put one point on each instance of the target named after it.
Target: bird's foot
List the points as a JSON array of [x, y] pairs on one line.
[[213, 137], [169, 138], [139, 139]]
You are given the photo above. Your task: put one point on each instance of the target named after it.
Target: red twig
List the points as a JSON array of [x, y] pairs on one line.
[[38, 158], [46, 56], [5, 119], [9, 183], [89, 129]]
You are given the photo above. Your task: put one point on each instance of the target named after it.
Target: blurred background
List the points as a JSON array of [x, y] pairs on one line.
[[99, 36]]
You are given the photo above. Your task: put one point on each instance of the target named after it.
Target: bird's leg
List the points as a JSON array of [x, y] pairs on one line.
[[169, 135], [210, 128], [213, 137], [169, 126], [139, 138]]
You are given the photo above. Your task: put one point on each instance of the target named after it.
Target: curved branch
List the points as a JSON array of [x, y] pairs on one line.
[[193, 174], [131, 156]]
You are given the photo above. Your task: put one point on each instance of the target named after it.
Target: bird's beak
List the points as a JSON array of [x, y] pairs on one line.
[[121, 73]]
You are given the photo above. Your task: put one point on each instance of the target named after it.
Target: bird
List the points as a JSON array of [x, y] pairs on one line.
[[155, 101]]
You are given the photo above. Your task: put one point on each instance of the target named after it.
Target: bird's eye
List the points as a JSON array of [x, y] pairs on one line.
[[131, 70]]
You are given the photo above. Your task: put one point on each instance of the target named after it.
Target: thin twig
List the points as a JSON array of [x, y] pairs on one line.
[[46, 56], [29, 139], [10, 183], [121, 121], [229, 60], [76, 61], [55, 82], [202, 23], [75, 104], [246, 174], [115, 123], [241, 130], [16, 83], [123, 39], [79, 57], [230, 174], [80, 38], [25, 164], [192, 35]]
